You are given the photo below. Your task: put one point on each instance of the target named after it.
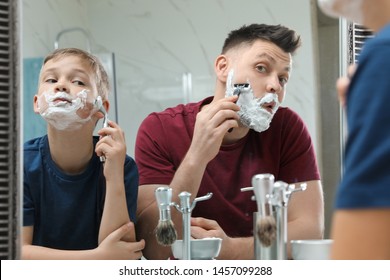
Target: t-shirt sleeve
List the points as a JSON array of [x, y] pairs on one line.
[[366, 178], [28, 204], [131, 187], [152, 154], [28, 200], [298, 160]]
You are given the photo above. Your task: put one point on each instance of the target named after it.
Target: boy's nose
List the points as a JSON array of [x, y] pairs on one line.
[[60, 87]]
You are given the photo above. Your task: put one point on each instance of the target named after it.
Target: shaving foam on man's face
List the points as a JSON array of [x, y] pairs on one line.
[[350, 9], [63, 111], [255, 113]]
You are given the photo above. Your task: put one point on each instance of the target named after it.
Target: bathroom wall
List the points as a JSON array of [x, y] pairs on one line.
[[329, 108], [155, 43], [41, 22]]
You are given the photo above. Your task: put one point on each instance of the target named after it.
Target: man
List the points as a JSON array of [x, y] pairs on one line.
[[217, 146], [361, 222]]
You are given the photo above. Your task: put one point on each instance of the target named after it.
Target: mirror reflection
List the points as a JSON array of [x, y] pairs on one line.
[[161, 53], [163, 50]]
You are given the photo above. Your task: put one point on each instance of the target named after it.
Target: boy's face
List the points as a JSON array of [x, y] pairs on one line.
[[67, 93], [266, 68]]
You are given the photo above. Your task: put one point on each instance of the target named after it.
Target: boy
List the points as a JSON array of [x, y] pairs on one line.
[[75, 206]]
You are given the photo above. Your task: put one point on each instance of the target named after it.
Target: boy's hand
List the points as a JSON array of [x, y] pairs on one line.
[[342, 85], [113, 248], [112, 146]]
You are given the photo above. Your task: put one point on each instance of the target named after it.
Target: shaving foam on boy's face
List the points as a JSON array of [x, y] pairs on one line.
[[65, 112], [253, 113]]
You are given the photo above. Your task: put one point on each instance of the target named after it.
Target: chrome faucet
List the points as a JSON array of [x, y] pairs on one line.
[[163, 197], [186, 208], [279, 199]]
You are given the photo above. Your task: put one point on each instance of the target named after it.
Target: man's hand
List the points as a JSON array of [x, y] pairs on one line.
[[231, 248], [211, 125]]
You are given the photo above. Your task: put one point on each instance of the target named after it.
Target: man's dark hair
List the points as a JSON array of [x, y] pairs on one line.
[[286, 39]]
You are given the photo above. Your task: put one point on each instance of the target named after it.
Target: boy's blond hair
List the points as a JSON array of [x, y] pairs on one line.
[[101, 76]]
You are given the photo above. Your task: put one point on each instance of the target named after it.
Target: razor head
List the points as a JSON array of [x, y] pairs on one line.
[[98, 102], [244, 85], [239, 88], [99, 105], [101, 109]]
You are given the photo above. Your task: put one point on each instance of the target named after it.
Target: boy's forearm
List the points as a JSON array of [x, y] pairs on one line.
[[115, 213], [32, 252]]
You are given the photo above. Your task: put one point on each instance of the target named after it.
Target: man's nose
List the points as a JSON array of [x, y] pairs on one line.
[[273, 84]]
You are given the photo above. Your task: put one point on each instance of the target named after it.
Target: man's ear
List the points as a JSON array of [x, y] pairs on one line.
[[106, 105], [221, 67]]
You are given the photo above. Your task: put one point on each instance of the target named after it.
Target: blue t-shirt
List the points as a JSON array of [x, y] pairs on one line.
[[66, 210], [366, 182]]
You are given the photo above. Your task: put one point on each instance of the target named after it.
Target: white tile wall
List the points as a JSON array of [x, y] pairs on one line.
[[156, 41]]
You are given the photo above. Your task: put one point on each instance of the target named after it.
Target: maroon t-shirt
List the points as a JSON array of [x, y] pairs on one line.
[[284, 150]]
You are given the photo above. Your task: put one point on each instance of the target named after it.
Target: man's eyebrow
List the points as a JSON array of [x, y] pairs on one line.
[[267, 56]]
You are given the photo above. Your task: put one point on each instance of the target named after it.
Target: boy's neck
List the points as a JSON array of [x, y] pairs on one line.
[[71, 150]]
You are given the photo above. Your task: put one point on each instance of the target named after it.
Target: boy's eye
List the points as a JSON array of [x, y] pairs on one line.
[[51, 80], [79, 83]]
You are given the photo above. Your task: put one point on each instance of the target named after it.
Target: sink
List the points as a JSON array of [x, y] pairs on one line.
[[312, 249], [201, 249]]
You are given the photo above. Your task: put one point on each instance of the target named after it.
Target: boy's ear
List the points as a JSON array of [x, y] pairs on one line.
[[221, 67], [35, 104]]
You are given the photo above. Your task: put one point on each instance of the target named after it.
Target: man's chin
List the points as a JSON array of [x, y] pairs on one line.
[[260, 129], [258, 126]]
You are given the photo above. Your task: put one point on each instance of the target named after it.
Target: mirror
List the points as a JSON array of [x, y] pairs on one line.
[[163, 54]]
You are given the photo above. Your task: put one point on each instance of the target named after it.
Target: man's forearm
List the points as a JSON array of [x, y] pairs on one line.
[[239, 248], [188, 176]]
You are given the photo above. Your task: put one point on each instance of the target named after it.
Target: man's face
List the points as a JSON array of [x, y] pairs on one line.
[[66, 93], [266, 68]]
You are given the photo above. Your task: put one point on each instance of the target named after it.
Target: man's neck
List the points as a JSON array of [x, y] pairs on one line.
[[235, 135]]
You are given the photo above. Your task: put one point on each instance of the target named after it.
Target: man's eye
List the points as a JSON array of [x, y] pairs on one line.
[[79, 83], [261, 68], [283, 81]]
